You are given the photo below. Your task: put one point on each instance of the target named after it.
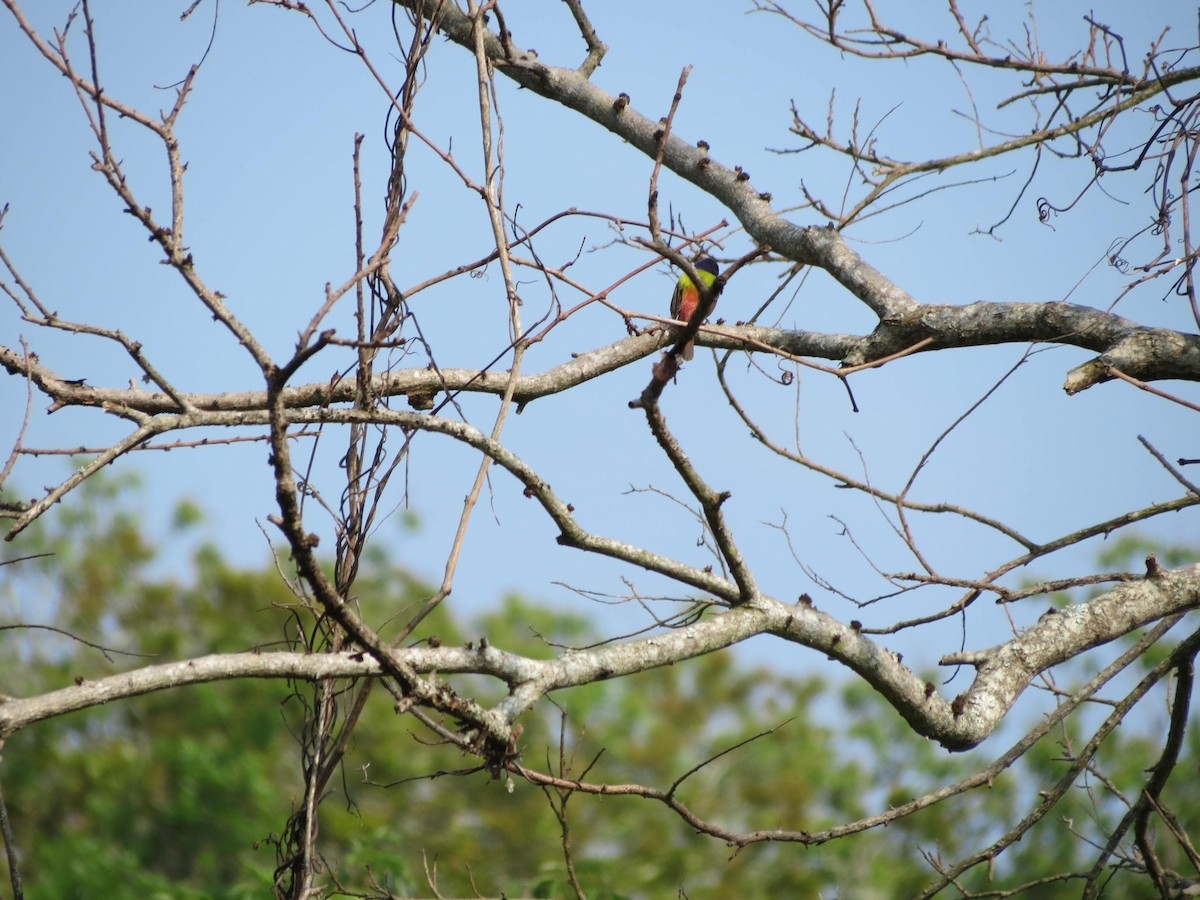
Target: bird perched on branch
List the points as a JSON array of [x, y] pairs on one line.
[[686, 296]]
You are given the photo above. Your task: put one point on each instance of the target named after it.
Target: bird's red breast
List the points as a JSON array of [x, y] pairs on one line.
[[685, 308]]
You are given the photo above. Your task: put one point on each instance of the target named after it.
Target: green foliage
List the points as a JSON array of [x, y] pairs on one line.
[[1131, 549], [179, 794]]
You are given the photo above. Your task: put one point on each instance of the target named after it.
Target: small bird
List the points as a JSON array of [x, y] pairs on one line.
[[686, 296]]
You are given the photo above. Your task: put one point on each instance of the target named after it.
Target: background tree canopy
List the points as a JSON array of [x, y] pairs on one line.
[[450, 577], [175, 794]]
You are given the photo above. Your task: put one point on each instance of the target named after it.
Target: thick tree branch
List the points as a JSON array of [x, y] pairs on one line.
[[17, 713], [1140, 352], [1003, 672], [823, 247], [983, 778]]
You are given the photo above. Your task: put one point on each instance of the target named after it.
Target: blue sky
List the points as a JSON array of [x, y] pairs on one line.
[[268, 135]]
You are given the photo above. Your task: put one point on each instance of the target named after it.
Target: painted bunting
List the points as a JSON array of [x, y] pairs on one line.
[[685, 298]]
